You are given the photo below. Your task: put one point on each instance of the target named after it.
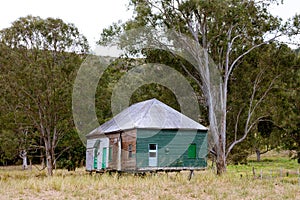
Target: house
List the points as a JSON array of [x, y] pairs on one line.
[[147, 136]]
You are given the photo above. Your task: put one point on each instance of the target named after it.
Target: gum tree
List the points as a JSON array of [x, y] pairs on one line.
[[227, 31], [38, 70]]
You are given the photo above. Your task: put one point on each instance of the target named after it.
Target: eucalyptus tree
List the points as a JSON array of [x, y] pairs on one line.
[[288, 114], [275, 61], [227, 31], [39, 70]]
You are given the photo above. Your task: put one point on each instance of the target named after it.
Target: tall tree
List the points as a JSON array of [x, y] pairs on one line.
[[288, 114], [39, 69], [274, 60], [227, 31]]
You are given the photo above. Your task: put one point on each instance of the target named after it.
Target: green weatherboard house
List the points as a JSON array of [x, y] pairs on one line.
[[147, 136]]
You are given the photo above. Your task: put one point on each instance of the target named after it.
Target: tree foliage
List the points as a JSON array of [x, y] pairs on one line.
[[273, 60], [228, 31], [38, 70]]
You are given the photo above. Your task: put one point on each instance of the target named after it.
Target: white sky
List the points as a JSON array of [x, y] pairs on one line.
[[91, 16]]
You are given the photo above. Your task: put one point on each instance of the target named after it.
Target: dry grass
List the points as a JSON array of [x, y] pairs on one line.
[[18, 184], [237, 183]]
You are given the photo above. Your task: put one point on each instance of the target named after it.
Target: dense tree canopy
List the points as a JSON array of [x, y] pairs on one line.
[[38, 66], [227, 31], [258, 76]]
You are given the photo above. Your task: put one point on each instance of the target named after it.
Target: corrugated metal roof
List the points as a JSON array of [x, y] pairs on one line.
[[150, 114]]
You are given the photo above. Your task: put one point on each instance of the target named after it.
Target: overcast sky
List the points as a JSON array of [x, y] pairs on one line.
[[91, 16]]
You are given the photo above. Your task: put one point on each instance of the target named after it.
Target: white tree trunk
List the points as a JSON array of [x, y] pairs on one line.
[[23, 155], [49, 163], [25, 162]]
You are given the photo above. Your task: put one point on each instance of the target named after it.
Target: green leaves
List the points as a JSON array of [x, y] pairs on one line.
[[44, 34], [38, 67]]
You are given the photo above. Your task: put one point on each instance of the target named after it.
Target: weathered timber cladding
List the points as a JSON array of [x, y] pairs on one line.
[[96, 158], [129, 138], [172, 147], [90, 159], [113, 144]]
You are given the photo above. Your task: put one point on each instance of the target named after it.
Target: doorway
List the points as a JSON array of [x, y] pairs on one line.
[[153, 155]]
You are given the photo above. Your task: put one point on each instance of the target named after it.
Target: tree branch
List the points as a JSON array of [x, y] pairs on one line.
[[60, 154], [252, 109]]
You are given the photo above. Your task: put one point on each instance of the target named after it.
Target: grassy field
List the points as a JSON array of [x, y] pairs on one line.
[[237, 183]]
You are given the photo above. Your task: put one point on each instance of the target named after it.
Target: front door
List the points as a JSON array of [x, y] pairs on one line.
[[152, 155], [104, 153]]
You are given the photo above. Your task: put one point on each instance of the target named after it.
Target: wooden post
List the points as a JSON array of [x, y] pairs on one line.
[[166, 172], [191, 174], [253, 171], [119, 153]]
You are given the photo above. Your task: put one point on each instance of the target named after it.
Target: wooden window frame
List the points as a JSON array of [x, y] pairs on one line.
[[130, 151]]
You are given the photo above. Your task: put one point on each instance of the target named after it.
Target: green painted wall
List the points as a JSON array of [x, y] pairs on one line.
[[172, 147]]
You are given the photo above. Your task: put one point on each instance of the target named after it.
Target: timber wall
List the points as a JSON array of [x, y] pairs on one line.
[[172, 148]]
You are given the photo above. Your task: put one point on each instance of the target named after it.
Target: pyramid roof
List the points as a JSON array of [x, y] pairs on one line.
[[149, 114]]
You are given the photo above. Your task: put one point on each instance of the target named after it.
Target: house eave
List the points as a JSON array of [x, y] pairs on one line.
[[103, 134], [183, 129]]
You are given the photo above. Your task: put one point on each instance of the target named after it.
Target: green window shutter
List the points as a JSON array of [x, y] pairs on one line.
[[192, 151], [95, 158]]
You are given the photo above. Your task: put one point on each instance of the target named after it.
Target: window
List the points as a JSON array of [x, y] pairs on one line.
[[152, 150], [110, 154], [192, 151], [152, 154], [130, 151], [152, 146]]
